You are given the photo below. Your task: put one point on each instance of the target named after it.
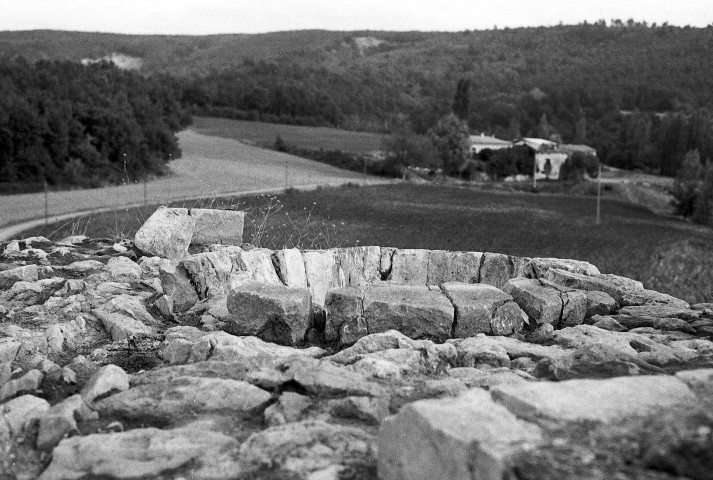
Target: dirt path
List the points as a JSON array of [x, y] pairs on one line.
[[210, 167]]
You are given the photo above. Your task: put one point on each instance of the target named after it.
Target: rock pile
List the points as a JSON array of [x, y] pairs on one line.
[[211, 360]]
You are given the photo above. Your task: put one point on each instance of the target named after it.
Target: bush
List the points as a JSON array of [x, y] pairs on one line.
[[685, 187], [577, 165]]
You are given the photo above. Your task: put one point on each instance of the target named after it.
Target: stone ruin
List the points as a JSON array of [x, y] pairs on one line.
[[220, 360]]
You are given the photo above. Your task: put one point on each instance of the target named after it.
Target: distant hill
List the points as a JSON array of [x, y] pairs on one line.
[[567, 81]]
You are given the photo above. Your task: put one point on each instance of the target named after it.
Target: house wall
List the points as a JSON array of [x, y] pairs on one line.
[[556, 161]]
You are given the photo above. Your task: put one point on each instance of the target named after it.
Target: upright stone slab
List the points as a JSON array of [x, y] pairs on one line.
[[166, 233], [482, 308], [274, 313], [464, 438], [345, 320], [444, 266], [290, 267], [359, 265], [604, 401], [259, 263], [497, 269], [212, 273], [177, 286], [414, 310], [215, 226], [410, 266], [322, 274]]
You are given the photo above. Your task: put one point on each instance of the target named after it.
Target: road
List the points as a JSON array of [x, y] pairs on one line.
[[210, 167]]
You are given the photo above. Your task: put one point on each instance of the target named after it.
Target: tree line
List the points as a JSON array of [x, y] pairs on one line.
[[72, 125]]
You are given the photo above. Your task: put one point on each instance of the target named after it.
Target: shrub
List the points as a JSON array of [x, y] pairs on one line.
[[685, 187], [577, 165]]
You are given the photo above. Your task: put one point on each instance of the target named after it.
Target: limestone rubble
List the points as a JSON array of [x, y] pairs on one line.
[[227, 361]]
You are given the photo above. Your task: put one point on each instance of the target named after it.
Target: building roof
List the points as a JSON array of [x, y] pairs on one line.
[[537, 143], [483, 139], [571, 148]]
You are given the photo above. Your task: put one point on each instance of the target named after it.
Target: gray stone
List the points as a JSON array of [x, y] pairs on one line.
[[8, 349], [643, 297], [541, 303], [579, 281], [138, 453], [210, 273], [605, 401], [322, 377], [290, 407], [487, 378], [106, 381], [659, 311], [483, 308], [166, 233], [213, 226], [700, 381], [272, 312], [371, 410], [290, 267], [84, 266], [514, 348], [497, 269], [599, 303], [415, 311], [309, 449], [444, 266], [584, 335], [410, 266], [608, 323], [164, 305], [28, 273], [121, 326], [20, 413], [540, 266], [61, 420], [123, 268], [259, 264], [359, 266], [482, 355], [673, 324], [185, 395], [345, 320], [463, 438], [322, 274], [541, 334], [28, 383]]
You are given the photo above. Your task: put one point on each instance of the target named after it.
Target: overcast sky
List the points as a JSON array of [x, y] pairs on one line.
[[243, 16]]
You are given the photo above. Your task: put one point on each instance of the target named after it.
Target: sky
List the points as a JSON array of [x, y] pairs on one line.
[[199, 17]]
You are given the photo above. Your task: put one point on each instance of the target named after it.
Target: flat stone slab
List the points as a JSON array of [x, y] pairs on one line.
[[445, 266], [463, 438], [274, 313], [214, 226], [166, 233], [542, 304], [604, 401]]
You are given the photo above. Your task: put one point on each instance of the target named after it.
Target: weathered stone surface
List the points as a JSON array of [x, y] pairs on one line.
[[584, 335], [61, 420], [467, 437], [514, 348], [106, 381], [482, 355], [27, 383], [290, 407], [359, 266], [166, 233], [19, 413], [171, 401], [608, 323], [673, 324], [8, 349], [371, 410], [28, 273], [309, 449], [259, 263], [599, 303], [497, 269], [322, 377], [487, 378], [444, 266], [177, 286], [603, 401], [659, 311], [215, 226], [290, 267], [138, 453], [540, 266], [121, 326], [416, 311], [541, 303], [542, 333], [410, 266], [579, 281], [593, 361], [322, 274], [345, 315], [700, 381], [643, 297], [212, 273], [483, 308], [272, 312], [123, 268]]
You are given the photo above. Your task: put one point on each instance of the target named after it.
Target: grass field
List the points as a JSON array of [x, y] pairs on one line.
[[630, 241], [264, 134]]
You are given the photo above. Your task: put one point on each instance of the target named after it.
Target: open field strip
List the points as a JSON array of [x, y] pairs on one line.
[[210, 167]]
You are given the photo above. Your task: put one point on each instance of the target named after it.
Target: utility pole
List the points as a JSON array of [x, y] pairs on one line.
[[170, 160], [47, 205], [534, 174], [599, 194], [287, 174], [146, 200]]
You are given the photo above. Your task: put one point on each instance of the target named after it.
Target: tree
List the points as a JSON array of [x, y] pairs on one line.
[[703, 206], [543, 127], [451, 138], [685, 186], [405, 148], [461, 102]]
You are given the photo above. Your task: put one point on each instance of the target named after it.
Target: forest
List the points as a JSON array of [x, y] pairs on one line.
[[71, 125], [641, 94]]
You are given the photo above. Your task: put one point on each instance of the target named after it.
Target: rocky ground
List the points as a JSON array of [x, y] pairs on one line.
[[230, 362]]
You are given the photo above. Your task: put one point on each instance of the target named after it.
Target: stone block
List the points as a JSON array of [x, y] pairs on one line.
[[497, 269], [463, 438], [215, 226], [359, 266], [541, 303], [599, 303], [27, 273], [275, 313], [259, 263], [482, 308], [444, 266], [290, 267], [166, 233], [410, 266], [322, 274], [345, 320], [210, 273]]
